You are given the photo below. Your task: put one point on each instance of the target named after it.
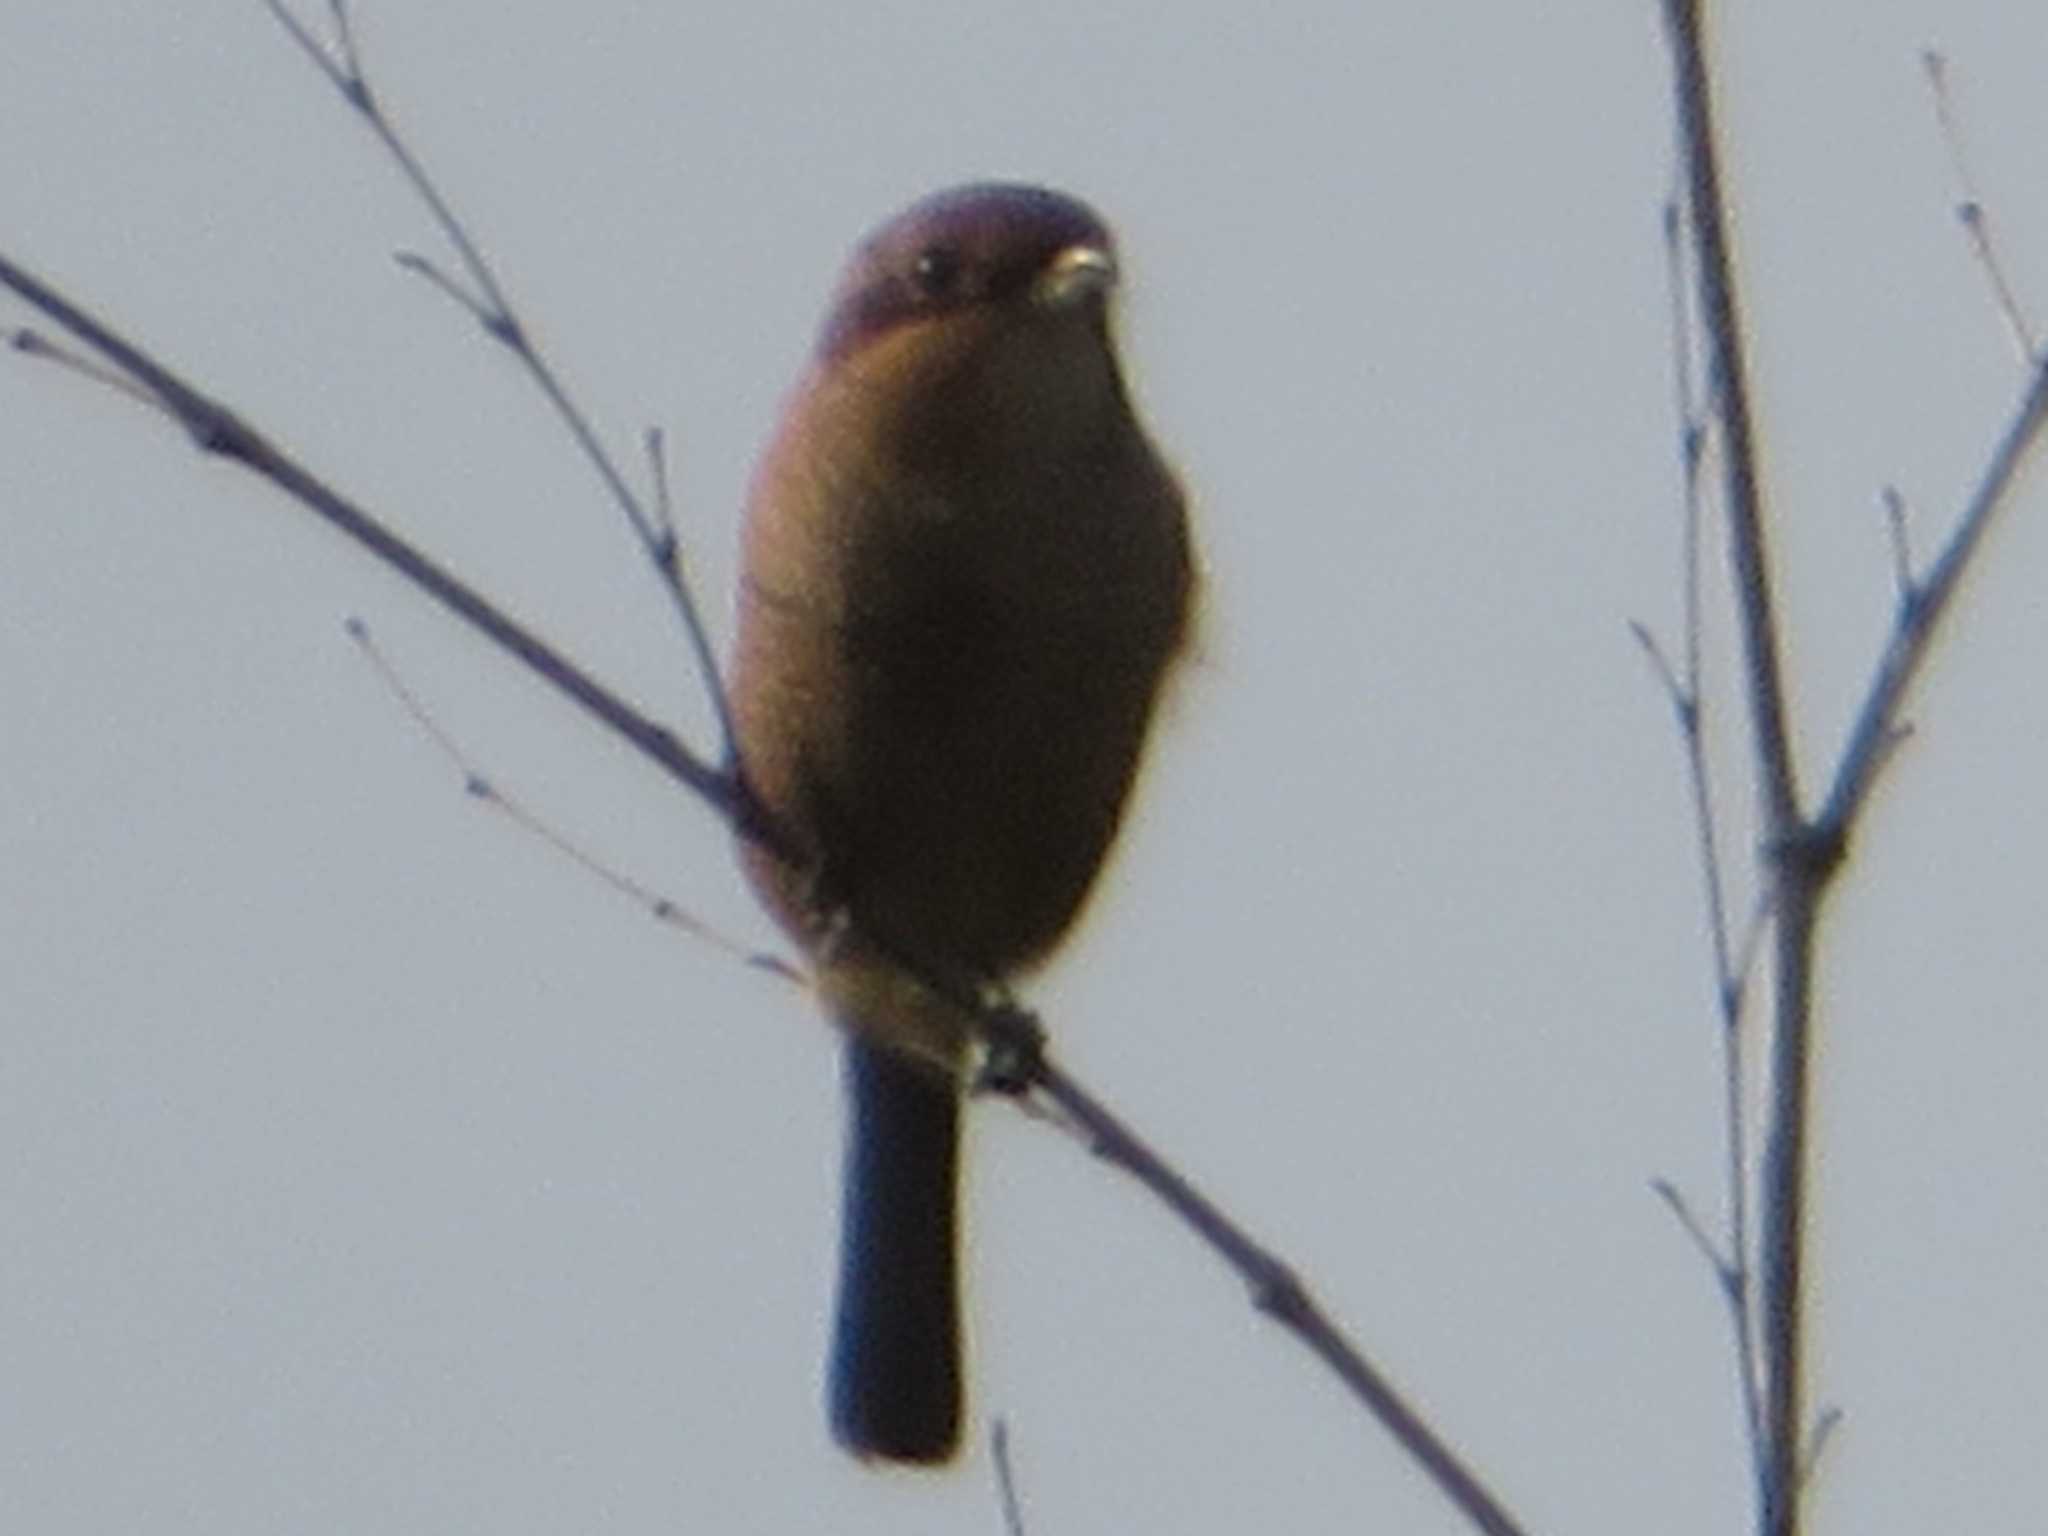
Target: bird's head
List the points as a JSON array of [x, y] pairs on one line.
[[996, 251]]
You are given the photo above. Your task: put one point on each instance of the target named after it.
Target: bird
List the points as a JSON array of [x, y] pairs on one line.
[[966, 577]]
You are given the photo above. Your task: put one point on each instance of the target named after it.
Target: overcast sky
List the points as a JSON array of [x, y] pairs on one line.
[[364, 1166]]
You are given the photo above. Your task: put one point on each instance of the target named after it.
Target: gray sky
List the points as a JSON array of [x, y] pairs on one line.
[[365, 1167]]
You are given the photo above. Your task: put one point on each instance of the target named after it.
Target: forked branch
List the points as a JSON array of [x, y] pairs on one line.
[[1801, 851]]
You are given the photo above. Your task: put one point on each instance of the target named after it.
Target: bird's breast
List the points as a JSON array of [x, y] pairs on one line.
[[956, 626]]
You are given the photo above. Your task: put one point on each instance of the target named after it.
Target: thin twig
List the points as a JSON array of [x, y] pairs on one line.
[[1667, 675], [1687, 687], [1903, 584], [485, 790], [1681, 1210], [1750, 949], [488, 304], [655, 444], [1006, 1478], [1731, 978], [1817, 1443], [35, 344], [1970, 210]]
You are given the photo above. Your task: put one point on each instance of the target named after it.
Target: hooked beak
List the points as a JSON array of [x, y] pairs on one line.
[[1077, 273]]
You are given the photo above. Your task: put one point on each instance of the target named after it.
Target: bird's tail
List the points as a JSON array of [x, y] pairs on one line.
[[895, 1377]]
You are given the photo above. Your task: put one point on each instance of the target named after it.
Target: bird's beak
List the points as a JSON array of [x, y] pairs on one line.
[[1077, 273]]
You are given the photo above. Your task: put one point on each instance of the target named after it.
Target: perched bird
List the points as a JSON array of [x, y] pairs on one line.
[[966, 574]]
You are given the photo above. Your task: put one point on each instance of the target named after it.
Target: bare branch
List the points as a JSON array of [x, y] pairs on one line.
[[1730, 390], [1778, 1302], [485, 300], [1804, 854], [217, 429], [1275, 1288], [1923, 606]]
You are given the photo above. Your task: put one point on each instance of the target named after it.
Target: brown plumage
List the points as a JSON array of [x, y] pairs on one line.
[[966, 575]]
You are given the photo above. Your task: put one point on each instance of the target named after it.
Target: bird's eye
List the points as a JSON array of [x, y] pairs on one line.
[[938, 270]]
